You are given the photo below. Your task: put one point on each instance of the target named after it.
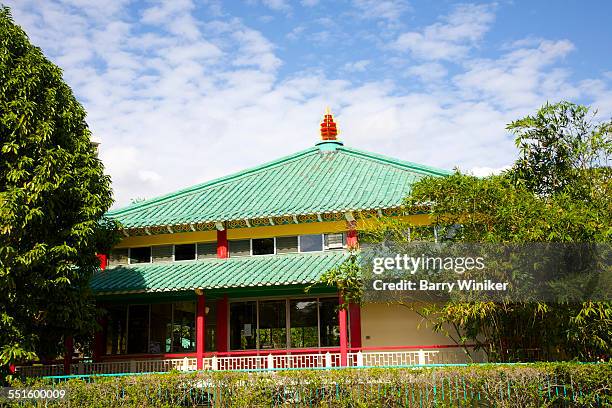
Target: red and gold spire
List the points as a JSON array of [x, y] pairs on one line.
[[328, 126]]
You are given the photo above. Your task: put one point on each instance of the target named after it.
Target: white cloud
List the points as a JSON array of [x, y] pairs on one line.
[[382, 9], [357, 66], [309, 3], [518, 79], [450, 39], [177, 107], [431, 71], [487, 171]]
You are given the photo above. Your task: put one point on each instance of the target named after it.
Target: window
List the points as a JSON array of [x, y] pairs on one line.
[[284, 323], [138, 328], [118, 257], [243, 323], [207, 250], [263, 246], [240, 248], [161, 253], [311, 243], [286, 245], [210, 342], [272, 330], [304, 323], [156, 328], [329, 327], [183, 327], [334, 241], [140, 255], [161, 328], [185, 252], [116, 326]]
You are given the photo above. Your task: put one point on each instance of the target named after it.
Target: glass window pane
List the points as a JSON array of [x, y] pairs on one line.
[[207, 250], [183, 329], [138, 329], [140, 255], [286, 245], [303, 323], [263, 246], [272, 324], [311, 243], [118, 257], [211, 326], [161, 328], [240, 248], [161, 253], [330, 329], [116, 318], [334, 241], [185, 252], [243, 324]]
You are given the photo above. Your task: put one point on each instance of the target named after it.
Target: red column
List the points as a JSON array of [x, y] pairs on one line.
[[355, 324], [69, 346], [222, 324], [351, 234], [222, 251], [103, 260], [100, 339], [343, 334], [200, 331]]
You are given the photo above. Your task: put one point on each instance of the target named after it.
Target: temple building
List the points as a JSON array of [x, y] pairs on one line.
[[213, 276]]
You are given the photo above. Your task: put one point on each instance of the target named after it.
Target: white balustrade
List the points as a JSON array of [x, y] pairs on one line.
[[262, 362]]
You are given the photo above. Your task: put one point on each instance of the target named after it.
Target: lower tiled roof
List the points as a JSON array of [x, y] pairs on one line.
[[270, 270]]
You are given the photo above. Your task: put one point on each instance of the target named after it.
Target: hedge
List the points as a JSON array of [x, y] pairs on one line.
[[524, 385]]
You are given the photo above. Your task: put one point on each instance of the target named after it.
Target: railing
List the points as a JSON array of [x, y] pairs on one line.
[[271, 360]]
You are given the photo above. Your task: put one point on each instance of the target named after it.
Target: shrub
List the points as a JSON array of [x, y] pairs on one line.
[[521, 385]]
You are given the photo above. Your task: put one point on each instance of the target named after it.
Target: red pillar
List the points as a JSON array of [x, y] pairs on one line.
[[222, 324], [69, 346], [222, 251], [343, 334], [351, 234], [355, 323], [200, 330], [103, 260]]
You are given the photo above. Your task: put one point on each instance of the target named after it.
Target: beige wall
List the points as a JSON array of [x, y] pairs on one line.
[[395, 325]]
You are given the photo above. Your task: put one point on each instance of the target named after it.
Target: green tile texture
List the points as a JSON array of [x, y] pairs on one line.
[[321, 179], [253, 271]]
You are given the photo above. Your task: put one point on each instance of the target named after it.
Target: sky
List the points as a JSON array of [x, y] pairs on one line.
[[183, 91]]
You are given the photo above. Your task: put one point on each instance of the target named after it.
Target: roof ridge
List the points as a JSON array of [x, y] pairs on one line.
[[398, 162], [219, 180]]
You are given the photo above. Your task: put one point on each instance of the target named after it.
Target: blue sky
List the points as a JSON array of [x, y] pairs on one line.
[[183, 91]]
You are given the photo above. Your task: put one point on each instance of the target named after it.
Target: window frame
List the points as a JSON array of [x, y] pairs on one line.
[[195, 252], [150, 255], [287, 301], [310, 252]]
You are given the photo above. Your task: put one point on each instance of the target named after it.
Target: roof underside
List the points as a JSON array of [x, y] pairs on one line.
[[257, 271], [308, 182]]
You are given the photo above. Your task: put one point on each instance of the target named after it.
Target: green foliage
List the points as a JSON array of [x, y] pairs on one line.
[[347, 278], [562, 142], [532, 385], [558, 191], [53, 195]]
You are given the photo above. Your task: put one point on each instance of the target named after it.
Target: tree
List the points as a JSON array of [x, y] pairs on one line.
[[53, 195], [558, 191]]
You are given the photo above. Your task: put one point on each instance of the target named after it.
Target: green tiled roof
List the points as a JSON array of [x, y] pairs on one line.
[[254, 271], [322, 179]]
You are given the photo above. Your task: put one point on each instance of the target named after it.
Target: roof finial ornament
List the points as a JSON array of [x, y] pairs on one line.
[[329, 130]]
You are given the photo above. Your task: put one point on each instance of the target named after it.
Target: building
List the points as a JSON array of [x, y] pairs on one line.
[[214, 276]]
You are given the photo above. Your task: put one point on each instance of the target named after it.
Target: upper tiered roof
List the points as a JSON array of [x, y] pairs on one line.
[[320, 183]]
